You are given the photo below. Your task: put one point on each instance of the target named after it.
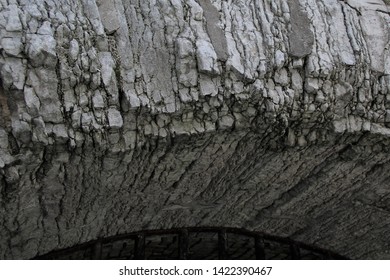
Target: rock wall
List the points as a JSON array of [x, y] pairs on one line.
[[122, 115]]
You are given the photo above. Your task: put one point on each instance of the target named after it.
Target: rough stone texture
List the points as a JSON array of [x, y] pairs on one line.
[[118, 116]]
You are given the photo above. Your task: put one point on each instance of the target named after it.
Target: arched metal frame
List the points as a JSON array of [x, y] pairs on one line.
[[193, 243]]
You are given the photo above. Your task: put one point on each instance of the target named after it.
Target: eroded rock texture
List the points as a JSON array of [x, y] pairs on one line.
[[122, 115]]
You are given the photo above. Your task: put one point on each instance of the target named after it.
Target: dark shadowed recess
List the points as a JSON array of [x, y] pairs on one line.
[[205, 243]]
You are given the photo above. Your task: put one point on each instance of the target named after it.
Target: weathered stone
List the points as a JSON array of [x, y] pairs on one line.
[[301, 38], [117, 116], [226, 122], [32, 101], [109, 15], [207, 58], [39, 131], [207, 87], [13, 73], [46, 29], [42, 50], [21, 131], [214, 31], [74, 50], [60, 132], [3, 139], [13, 24], [12, 46], [97, 100], [115, 120]]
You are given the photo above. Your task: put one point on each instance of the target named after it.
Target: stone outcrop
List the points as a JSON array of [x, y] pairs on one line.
[[117, 116]]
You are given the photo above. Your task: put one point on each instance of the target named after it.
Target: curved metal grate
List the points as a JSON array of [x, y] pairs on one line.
[[193, 243]]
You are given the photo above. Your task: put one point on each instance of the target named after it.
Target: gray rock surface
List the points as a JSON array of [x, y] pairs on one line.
[[117, 116]]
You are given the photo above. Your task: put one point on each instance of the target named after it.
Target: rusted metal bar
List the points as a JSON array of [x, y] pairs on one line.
[[93, 249], [97, 250], [139, 253], [295, 251], [259, 248], [222, 245], [183, 244]]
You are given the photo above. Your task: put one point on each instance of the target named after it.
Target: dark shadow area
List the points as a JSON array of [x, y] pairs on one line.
[[203, 243]]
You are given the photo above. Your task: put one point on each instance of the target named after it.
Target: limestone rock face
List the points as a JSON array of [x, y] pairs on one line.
[[117, 116]]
